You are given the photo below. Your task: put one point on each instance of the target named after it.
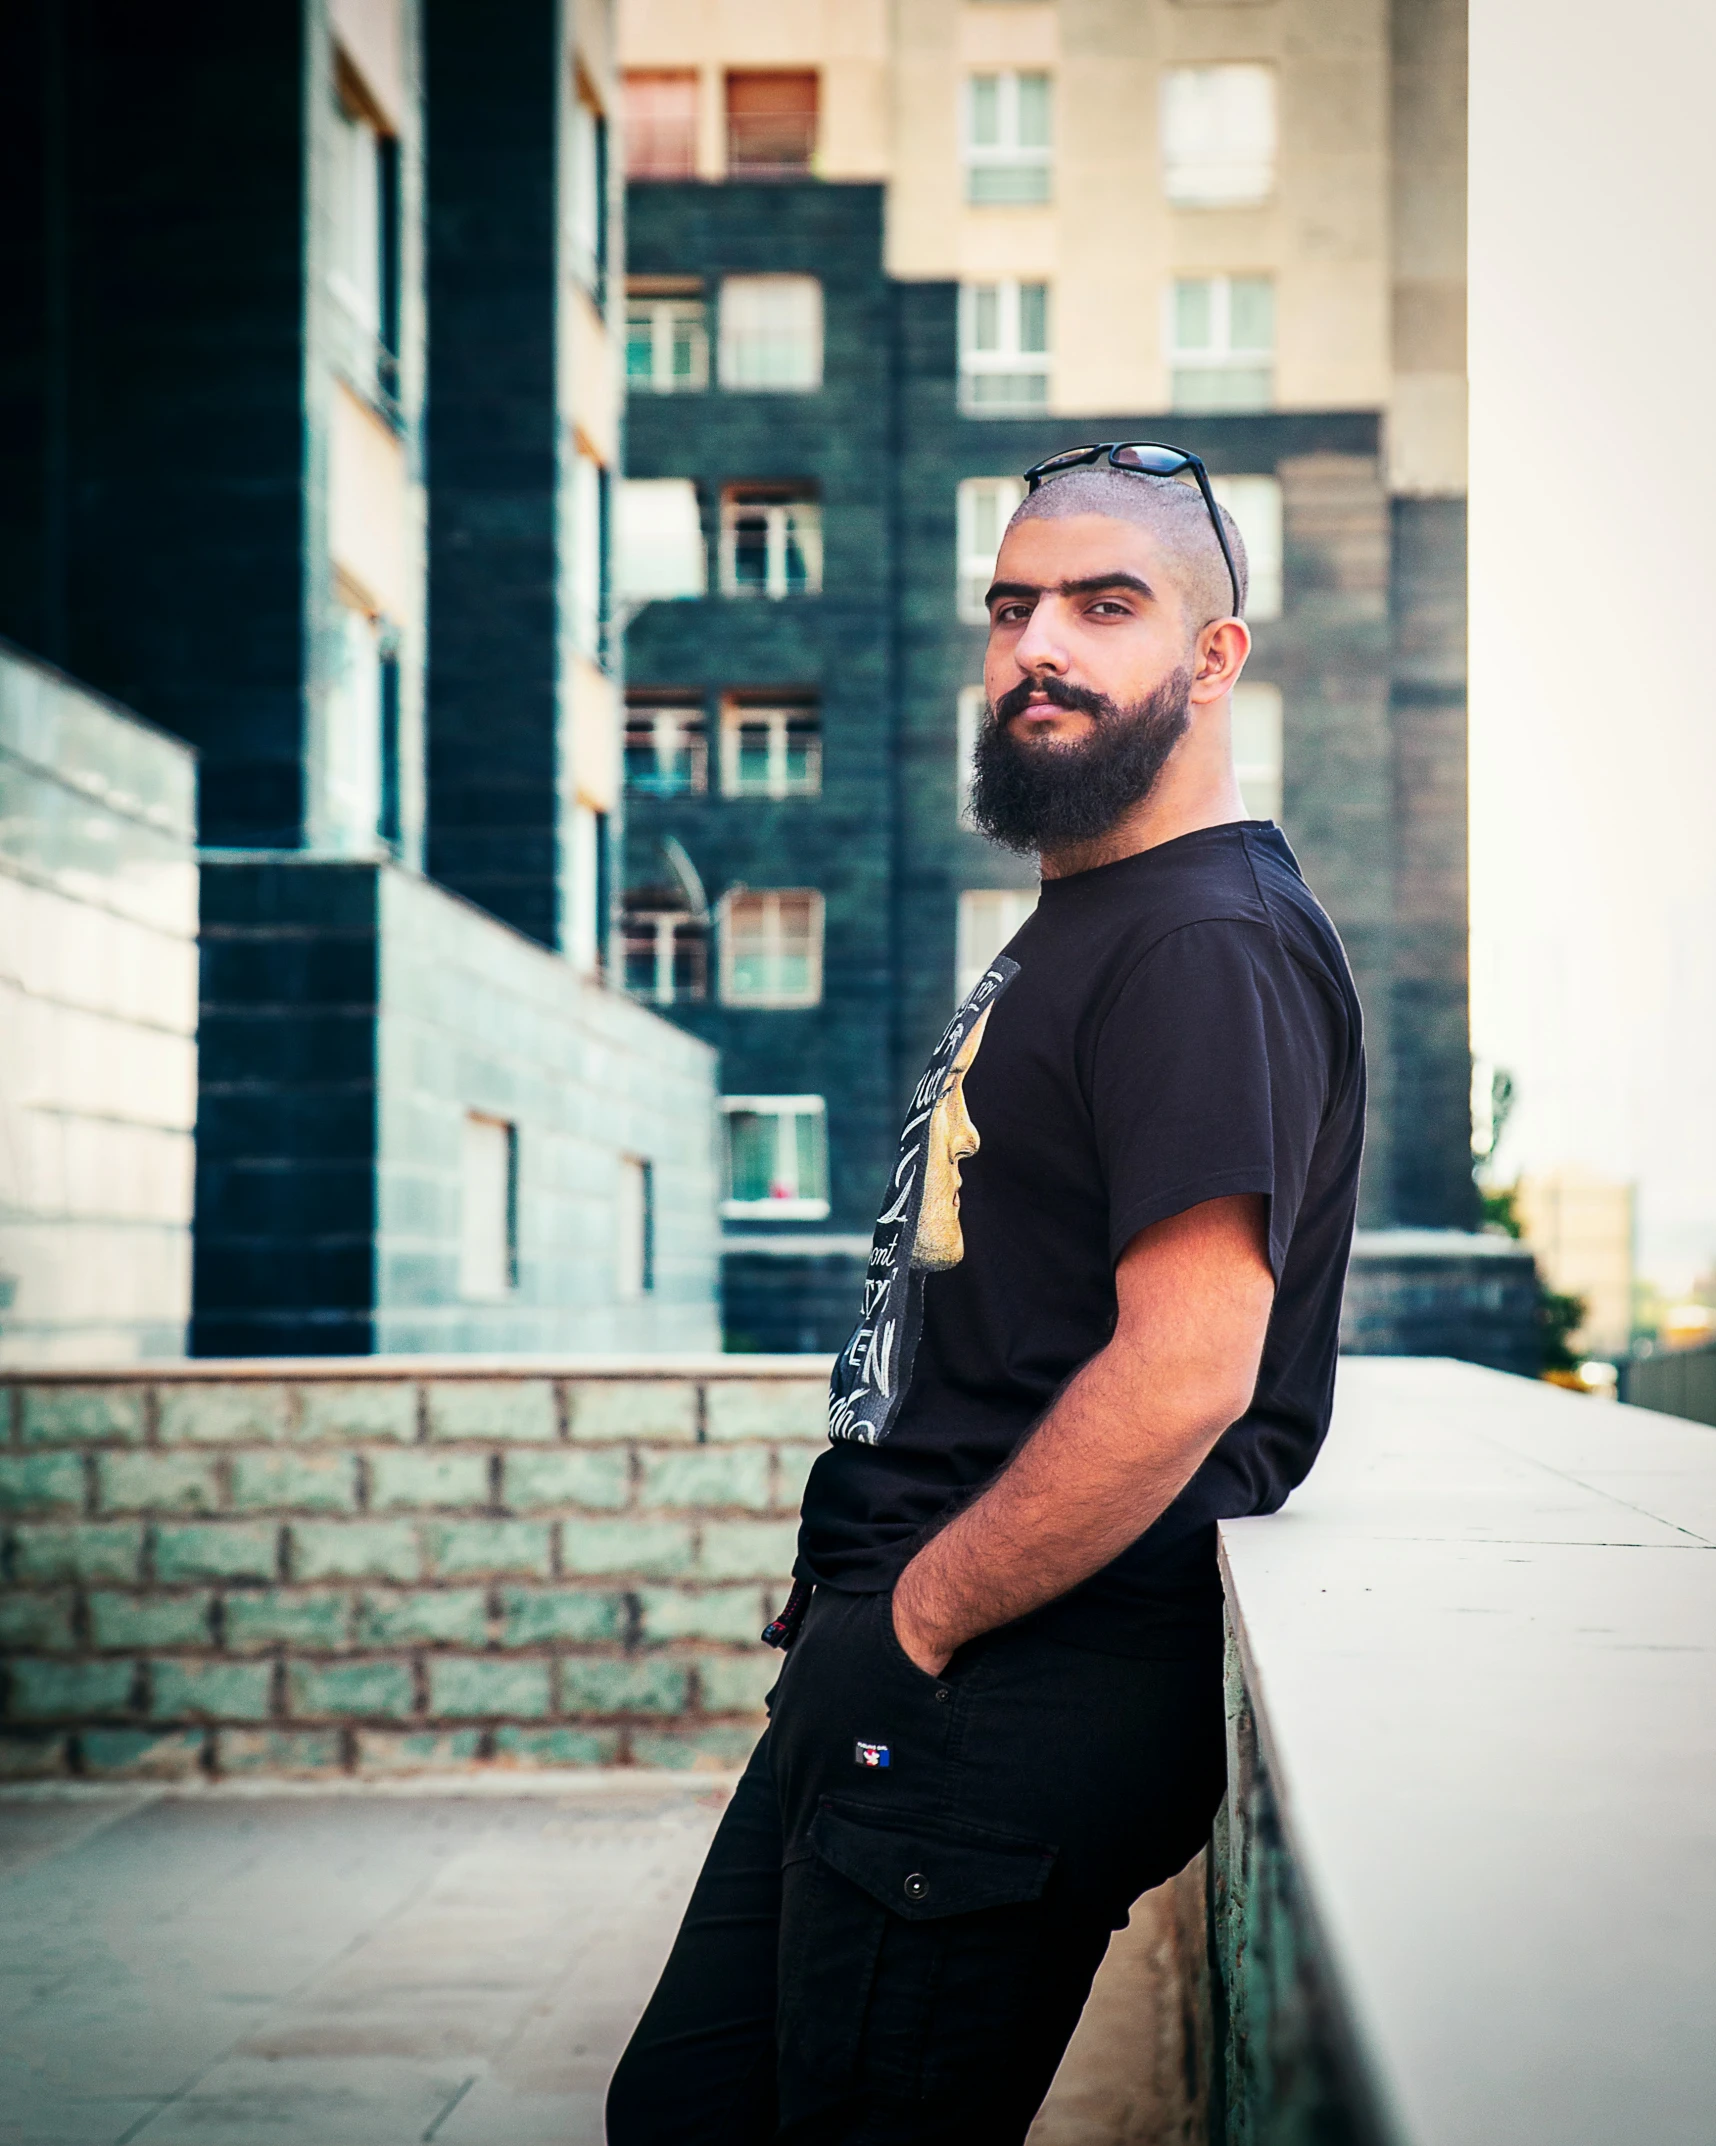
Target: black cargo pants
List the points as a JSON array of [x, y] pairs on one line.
[[900, 1916]]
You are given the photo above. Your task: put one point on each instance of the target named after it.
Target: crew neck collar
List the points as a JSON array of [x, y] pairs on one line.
[[1144, 860]]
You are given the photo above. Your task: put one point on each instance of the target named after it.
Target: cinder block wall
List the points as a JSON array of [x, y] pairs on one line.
[[395, 1565]]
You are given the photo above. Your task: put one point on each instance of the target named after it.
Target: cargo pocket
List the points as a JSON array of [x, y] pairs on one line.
[[906, 1955]]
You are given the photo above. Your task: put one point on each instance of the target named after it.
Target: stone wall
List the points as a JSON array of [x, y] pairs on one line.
[[392, 1567]]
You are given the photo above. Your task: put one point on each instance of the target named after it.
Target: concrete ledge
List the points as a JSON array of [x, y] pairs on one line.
[[1465, 1881]]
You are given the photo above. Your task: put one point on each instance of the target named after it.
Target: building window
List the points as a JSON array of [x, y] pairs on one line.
[[1255, 503], [968, 721], [1218, 136], [661, 126], [667, 747], [658, 551], [777, 1157], [590, 890], [771, 126], [1007, 139], [770, 747], [362, 696], [1003, 346], [985, 506], [988, 918], [771, 948], [771, 334], [588, 577], [667, 953], [488, 1208], [771, 541], [363, 259], [667, 338], [1221, 342], [1257, 747], [634, 1250], [587, 218]]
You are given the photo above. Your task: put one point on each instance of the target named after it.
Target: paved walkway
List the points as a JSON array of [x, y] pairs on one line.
[[324, 1969]]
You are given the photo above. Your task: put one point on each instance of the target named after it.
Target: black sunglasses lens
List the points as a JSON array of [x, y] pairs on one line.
[[1153, 461]]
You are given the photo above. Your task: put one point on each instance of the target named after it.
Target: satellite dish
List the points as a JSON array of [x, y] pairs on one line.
[[685, 872]]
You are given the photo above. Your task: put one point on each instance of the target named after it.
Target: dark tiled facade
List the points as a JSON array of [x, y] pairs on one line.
[[202, 444], [151, 378], [493, 456], [1368, 654]]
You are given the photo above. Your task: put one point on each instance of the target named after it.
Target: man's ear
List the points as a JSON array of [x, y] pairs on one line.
[[1222, 648]]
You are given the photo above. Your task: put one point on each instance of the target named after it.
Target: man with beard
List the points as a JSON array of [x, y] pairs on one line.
[[1135, 1158]]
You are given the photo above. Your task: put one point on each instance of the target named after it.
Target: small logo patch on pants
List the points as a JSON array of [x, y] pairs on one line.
[[870, 1754]]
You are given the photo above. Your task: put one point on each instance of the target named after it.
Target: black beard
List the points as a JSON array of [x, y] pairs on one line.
[[1048, 797]]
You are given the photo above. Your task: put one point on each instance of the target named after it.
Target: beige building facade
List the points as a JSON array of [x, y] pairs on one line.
[[1309, 151], [1581, 1227]]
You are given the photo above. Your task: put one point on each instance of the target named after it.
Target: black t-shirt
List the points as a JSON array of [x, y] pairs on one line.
[[1171, 1028]]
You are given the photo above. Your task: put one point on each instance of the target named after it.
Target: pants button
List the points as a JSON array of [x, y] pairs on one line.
[[917, 1886]]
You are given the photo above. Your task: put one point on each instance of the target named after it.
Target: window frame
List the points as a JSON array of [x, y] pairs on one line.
[[736, 166], [779, 504], [665, 311], [670, 931], [785, 1109], [967, 723], [731, 341], [367, 330], [973, 562], [776, 944], [1221, 355], [779, 711], [1009, 359], [1187, 194], [692, 719], [472, 1291], [1007, 153], [588, 579], [967, 969], [357, 754], [1265, 594], [588, 204], [1265, 783], [633, 1287], [635, 127]]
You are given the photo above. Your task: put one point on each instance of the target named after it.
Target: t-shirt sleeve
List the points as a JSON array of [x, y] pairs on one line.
[[1209, 1076]]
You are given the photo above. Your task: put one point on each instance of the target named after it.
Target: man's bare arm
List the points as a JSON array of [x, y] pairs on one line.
[[1194, 1295]]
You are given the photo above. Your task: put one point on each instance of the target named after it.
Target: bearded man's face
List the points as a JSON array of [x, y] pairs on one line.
[[1089, 677], [1036, 793]]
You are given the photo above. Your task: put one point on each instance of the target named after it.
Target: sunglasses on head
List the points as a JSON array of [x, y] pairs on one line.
[[1143, 458]]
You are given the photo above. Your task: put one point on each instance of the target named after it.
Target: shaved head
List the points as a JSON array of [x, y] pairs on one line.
[[1176, 517]]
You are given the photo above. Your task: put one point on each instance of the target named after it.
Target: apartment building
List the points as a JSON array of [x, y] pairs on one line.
[[882, 255], [309, 424]]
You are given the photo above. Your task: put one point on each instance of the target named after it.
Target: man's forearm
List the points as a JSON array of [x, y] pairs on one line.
[[1087, 1482]]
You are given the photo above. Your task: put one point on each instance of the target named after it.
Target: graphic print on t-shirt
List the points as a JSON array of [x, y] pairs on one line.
[[918, 1230]]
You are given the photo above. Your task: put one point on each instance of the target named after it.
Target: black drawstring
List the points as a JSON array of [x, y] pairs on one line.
[[784, 1630]]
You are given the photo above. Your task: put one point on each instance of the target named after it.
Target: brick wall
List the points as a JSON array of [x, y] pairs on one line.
[[235, 1569]]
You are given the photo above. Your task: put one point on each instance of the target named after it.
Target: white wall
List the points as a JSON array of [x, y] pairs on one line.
[[1593, 327], [98, 1017]]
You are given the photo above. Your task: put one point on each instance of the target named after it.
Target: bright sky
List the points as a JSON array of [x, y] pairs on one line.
[[1593, 360]]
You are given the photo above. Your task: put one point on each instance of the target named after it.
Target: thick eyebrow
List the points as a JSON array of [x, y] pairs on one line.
[[1091, 585]]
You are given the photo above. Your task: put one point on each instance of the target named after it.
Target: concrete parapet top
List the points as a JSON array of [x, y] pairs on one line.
[[1437, 1244], [1479, 1647]]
